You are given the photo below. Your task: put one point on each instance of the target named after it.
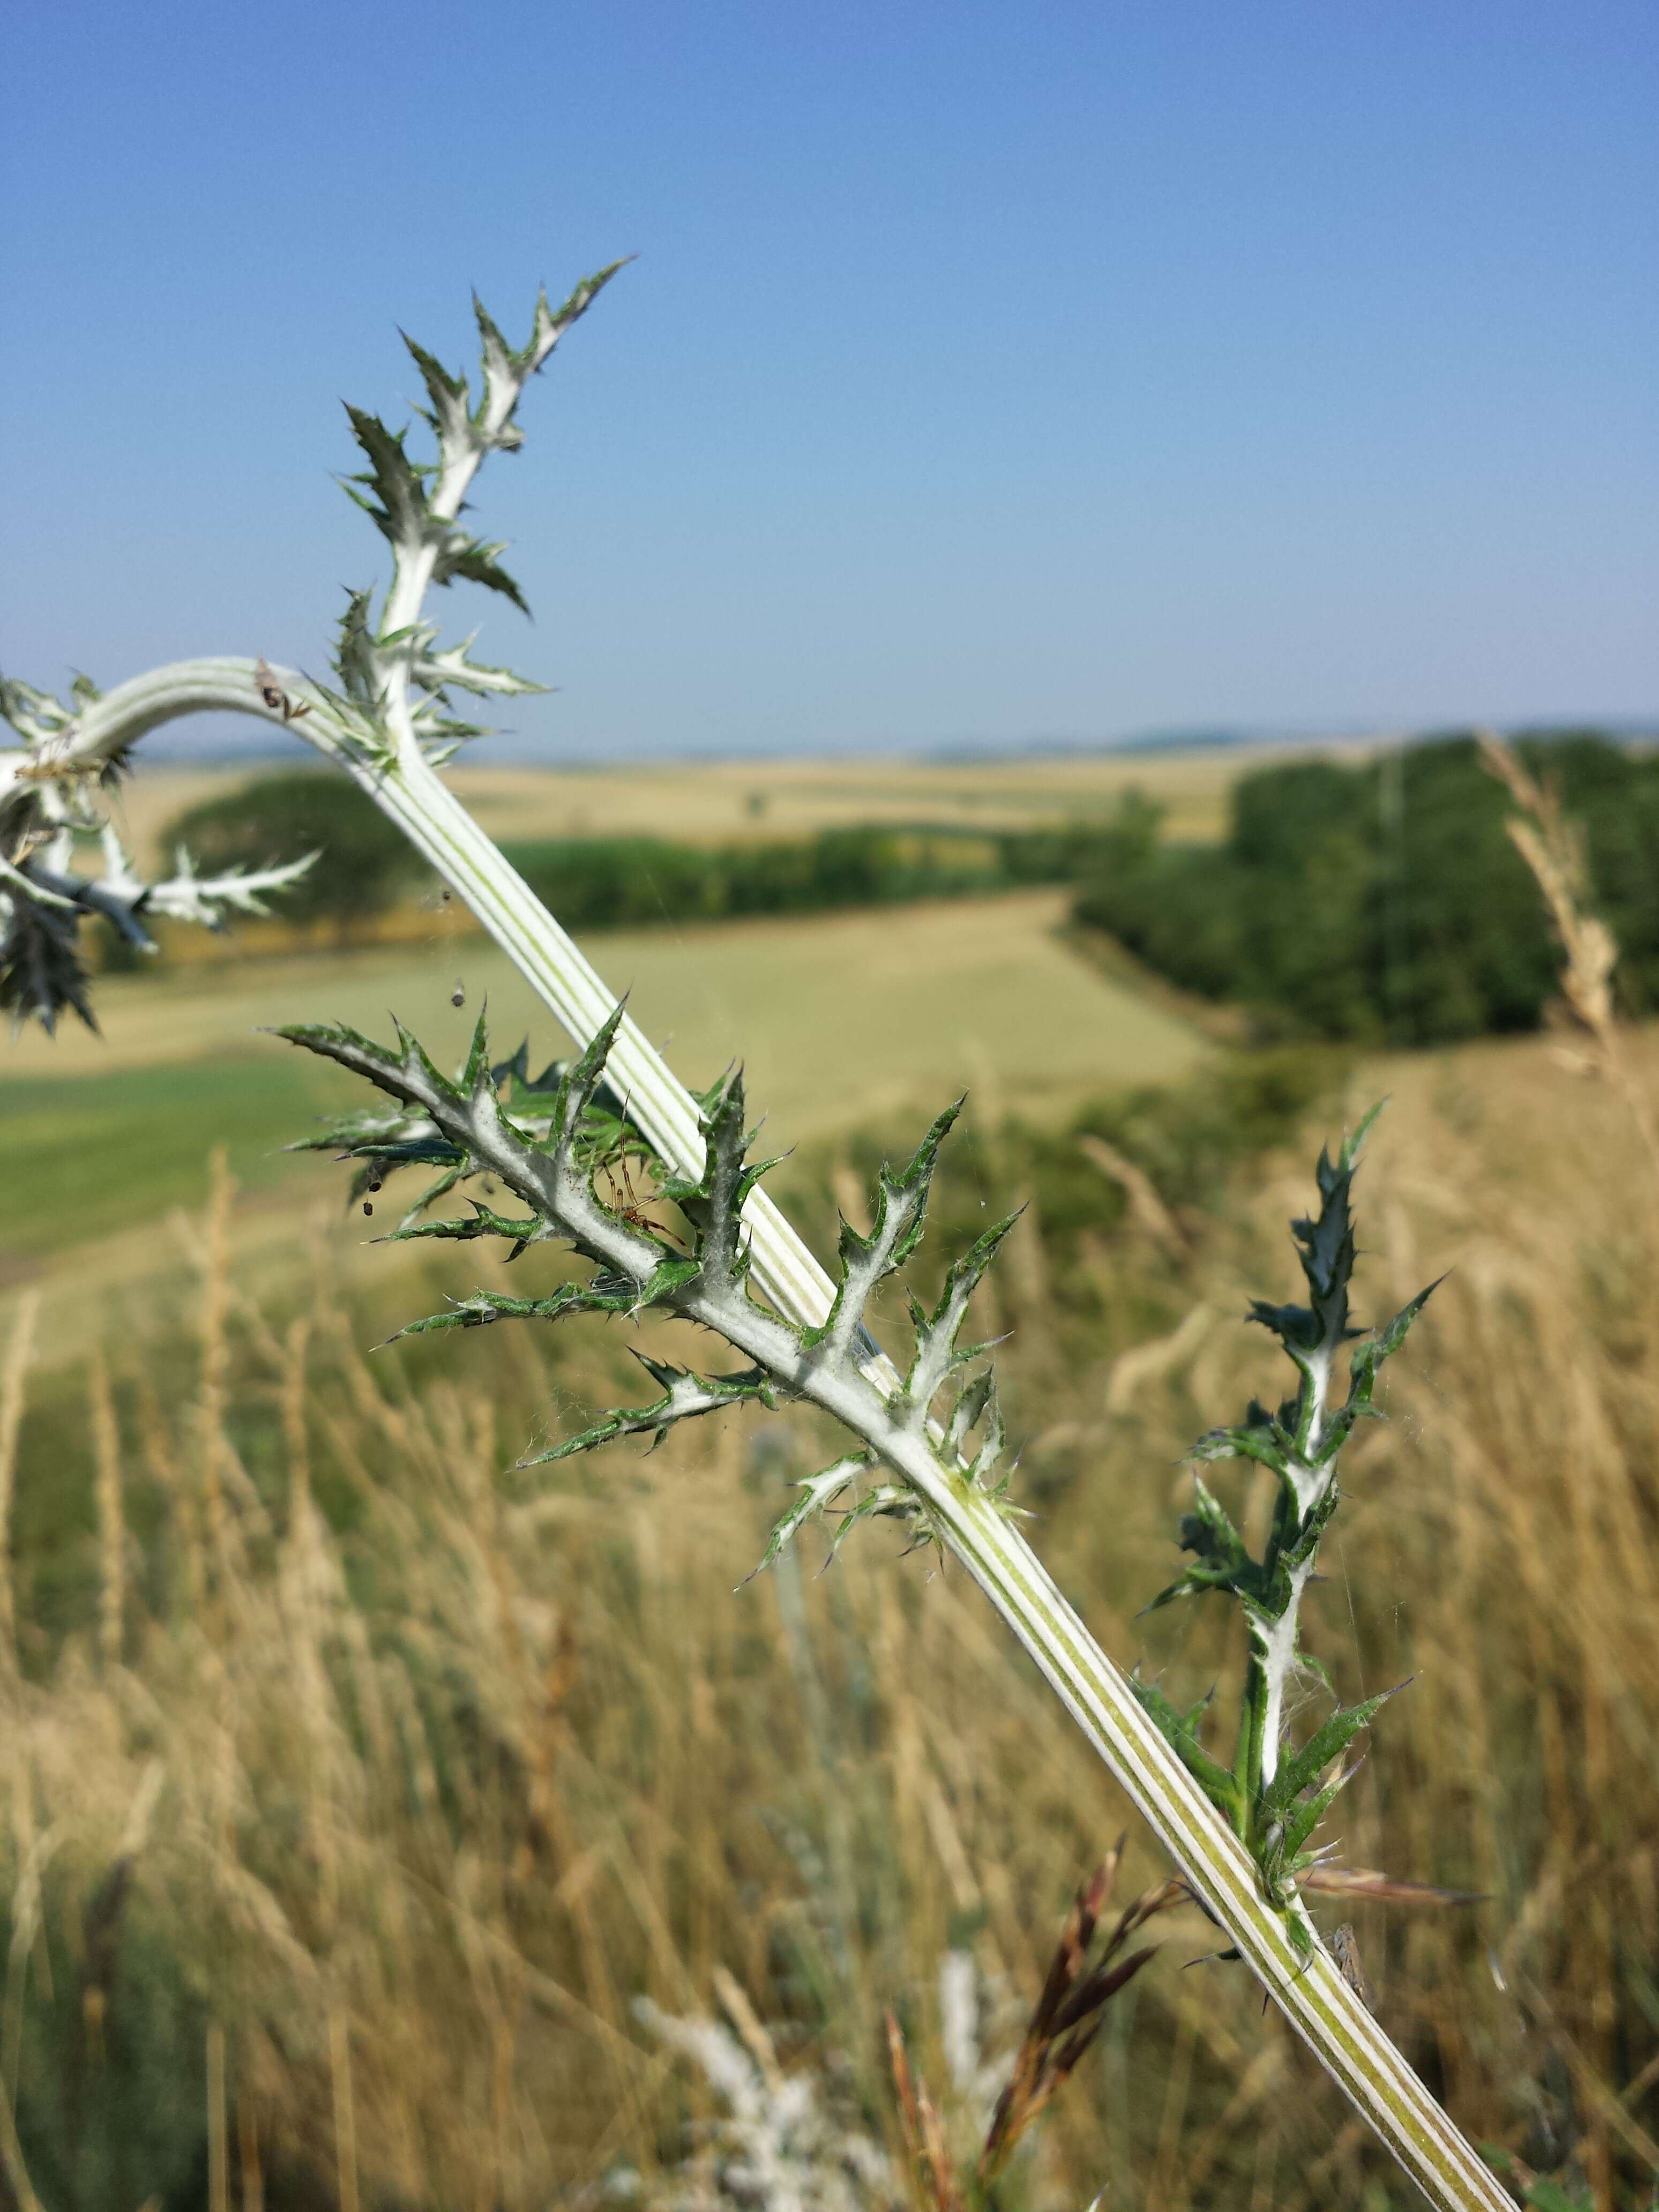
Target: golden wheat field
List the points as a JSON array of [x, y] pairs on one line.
[[387, 1825]]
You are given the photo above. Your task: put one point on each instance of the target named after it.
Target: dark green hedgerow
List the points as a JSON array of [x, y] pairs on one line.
[[1384, 902], [364, 864]]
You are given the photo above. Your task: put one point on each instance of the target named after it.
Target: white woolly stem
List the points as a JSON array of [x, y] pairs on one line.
[[1274, 1643]]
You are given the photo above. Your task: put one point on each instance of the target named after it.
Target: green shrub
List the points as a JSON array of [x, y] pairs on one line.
[[602, 883]]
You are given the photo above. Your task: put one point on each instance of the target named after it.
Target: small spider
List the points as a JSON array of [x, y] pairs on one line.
[[624, 1201]]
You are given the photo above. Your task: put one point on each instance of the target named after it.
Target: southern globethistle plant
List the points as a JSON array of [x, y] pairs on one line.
[[392, 713]]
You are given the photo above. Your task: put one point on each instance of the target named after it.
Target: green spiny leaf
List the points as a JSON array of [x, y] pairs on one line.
[[1267, 1447], [936, 1352], [518, 1232], [417, 1059], [602, 1295], [888, 1501], [449, 417], [1221, 1559], [901, 1213], [475, 562], [1181, 1730], [1302, 1770], [712, 1204], [402, 515], [452, 670], [1302, 1820], [478, 1075], [817, 1492], [685, 1396], [581, 1079], [1382, 1343], [1353, 1145]]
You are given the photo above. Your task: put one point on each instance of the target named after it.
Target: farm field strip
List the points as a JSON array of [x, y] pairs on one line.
[[841, 1019]]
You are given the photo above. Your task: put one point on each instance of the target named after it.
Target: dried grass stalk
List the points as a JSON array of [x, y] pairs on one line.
[[19, 1354], [1553, 846], [112, 1519]]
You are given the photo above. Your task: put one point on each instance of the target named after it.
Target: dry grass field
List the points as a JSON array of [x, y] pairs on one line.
[[368, 1801], [355, 1786]]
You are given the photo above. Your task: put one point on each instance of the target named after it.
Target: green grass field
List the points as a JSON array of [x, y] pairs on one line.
[[842, 1021]]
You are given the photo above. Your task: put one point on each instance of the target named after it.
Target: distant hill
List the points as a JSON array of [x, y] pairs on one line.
[[214, 740]]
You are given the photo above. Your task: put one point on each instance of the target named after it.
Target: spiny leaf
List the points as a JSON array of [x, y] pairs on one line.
[[601, 1295], [35, 715], [41, 970], [937, 1351], [417, 1061], [1296, 1326], [1300, 1823], [970, 1404], [674, 1271], [449, 417], [1354, 1145], [901, 1213], [408, 1075], [1222, 1560], [887, 1501], [475, 562], [402, 515], [1267, 1447], [818, 1492], [452, 670], [517, 1231], [507, 369], [478, 1075], [685, 1396], [992, 1442], [1301, 1771], [1181, 1730], [580, 1082], [354, 661], [1382, 1343], [712, 1204]]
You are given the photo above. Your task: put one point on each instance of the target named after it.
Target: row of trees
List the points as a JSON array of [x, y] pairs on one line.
[[364, 864], [1383, 901]]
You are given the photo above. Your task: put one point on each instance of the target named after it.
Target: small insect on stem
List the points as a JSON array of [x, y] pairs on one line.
[[1344, 1949], [276, 698]]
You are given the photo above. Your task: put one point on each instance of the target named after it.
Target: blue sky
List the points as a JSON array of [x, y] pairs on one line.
[[988, 373]]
